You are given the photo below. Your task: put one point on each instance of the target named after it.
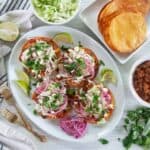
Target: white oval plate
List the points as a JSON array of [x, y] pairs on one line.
[[52, 127]]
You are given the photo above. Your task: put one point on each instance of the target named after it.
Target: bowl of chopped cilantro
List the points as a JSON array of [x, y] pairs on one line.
[[55, 12]]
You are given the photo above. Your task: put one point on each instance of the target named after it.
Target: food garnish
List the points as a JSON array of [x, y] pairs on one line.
[[101, 63], [137, 126], [57, 11], [23, 81], [9, 31], [23, 76], [65, 48], [107, 76], [141, 80], [74, 126], [103, 141], [63, 37]]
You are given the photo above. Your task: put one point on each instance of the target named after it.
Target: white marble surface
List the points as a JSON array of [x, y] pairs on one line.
[[118, 132]]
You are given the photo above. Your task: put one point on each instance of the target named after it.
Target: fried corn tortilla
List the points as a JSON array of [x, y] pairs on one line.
[[127, 31], [142, 6]]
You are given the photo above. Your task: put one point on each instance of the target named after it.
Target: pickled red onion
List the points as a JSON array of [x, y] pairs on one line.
[[74, 126]]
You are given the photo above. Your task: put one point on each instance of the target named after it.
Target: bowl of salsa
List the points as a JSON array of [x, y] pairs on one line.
[[140, 81]]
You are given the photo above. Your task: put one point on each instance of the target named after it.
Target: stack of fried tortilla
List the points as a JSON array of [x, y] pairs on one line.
[[123, 24]]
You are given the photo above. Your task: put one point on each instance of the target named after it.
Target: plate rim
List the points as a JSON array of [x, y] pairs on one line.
[[30, 118]]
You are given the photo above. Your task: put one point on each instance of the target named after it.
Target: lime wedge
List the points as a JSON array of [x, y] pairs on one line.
[[8, 31], [107, 75], [23, 81], [63, 37], [23, 85], [23, 76]]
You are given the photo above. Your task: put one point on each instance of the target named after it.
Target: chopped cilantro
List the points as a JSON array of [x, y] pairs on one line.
[[30, 63], [89, 109], [46, 57], [40, 46], [137, 125], [78, 72], [57, 96], [70, 67], [64, 48], [71, 92], [101, 63], [57, 84], [81, 62], [80, 44], [35, 65], [77, 66], [95, 98], [82, 94], [46, 102], [103, 141], [54, 106], [30, 52], [34, 112]]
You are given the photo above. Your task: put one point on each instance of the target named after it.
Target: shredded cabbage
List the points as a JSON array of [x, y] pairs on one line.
[[55, 10], [74, 126]]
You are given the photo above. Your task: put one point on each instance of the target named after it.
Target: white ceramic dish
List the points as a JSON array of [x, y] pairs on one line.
[[55, 23], [135, 65], [89, 17], [52, 127]]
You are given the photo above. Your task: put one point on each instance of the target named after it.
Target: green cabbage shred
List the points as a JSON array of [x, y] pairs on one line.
[[55, 10]]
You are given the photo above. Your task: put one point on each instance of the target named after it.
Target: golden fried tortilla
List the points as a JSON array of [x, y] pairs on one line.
[[127, 31]]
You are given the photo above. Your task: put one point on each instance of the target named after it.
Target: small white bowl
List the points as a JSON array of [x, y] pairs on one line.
[[135, 65], [55, 23]]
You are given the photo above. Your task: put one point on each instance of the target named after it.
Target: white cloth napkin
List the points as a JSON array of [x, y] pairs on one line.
[[14, 139], [8, 134], [22, 19]]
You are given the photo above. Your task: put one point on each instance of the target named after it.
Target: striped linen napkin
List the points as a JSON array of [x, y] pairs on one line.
[[8, 5]]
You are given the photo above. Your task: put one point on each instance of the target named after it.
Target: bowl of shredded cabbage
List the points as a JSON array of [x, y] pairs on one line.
[[55, 11]]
